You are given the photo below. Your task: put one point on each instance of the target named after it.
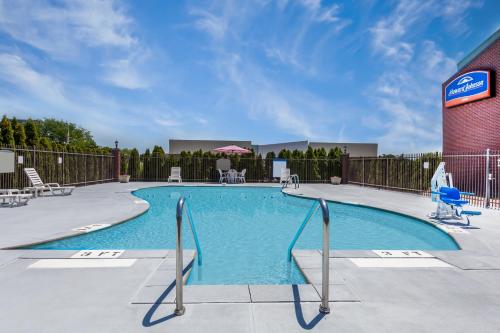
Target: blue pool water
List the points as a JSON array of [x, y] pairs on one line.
[[244, 232]]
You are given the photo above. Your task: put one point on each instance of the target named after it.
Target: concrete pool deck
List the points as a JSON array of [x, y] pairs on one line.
[[139, 296]]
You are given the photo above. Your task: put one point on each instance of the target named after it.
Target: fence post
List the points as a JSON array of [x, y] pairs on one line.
[[62, 164], [363, 169], [420, 167], [487, 179], [116, 163], [345, 168], [387, 172]]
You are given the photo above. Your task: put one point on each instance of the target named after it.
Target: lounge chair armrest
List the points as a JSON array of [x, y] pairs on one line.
[[53, 184], [439, 193], [466, 193], [470, 212]]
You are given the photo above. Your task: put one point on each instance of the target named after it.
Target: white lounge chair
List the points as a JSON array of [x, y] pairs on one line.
[[222, 176], [175, 174], [39, 187], [241, 176], [14, 197], [285, 176]]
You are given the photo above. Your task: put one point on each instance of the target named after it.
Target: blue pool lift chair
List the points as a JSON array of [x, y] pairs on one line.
[[451, 199]]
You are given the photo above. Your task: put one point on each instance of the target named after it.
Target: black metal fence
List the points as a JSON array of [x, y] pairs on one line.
[[203, 169], [65, 168], [479, 173], [476, 172]]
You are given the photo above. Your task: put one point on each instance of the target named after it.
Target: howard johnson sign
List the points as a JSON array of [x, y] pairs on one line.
[[468, 87]]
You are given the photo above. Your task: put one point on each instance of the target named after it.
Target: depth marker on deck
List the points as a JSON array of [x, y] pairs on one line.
[[399, 263], [98, 254], [92, 227], [402, 254]]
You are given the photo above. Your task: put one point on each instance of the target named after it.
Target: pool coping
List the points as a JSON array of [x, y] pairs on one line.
[[471, 242], [133, 189], [74, 233], [252, 185]]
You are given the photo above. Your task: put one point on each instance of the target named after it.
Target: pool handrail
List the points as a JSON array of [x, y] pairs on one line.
[[325, 267], [309, 215], [193, 230], [181, 206]]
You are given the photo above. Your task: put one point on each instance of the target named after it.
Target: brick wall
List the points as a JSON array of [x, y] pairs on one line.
[[475, 126]]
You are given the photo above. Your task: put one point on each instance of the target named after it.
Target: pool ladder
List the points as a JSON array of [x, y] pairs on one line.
[[325, 267], [182, 206], [293, 179]]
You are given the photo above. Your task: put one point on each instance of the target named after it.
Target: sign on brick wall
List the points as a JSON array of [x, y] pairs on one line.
[[468, 87]]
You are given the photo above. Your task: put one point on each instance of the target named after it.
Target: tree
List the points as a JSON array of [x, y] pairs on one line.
[[134, 164], [312, 165], [19, 134], [158, 151], [46, 143], [147, 165], [64, 132], [285, 153], [124, 161], [321, 156], [261, 168], [269, 164], [297, 154], [6, 132], [32, 133]]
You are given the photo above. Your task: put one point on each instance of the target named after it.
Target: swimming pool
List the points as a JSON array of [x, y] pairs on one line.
[[244, 232]]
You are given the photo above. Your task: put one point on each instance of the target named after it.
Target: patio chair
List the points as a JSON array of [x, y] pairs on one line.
[[175, 174], [241, 176], [285, 177], [222, 176], [451, 197], [232, 175], [14, 197], [39, 187]]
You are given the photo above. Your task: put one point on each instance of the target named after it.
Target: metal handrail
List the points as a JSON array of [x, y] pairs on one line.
[[297, 181], [309, 215], [291, 179], [181, 206], [325, 267]]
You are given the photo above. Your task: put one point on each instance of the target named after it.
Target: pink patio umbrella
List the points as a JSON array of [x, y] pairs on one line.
[[232, 150]]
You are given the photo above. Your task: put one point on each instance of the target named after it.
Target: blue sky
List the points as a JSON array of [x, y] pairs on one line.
[[266, 71]]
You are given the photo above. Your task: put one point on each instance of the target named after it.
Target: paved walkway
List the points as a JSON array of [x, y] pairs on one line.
[[137, 293]]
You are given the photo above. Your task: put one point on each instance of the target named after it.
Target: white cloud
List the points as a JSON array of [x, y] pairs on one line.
[[70, 30], [408, 102], [127, 73], [435, 65], [324, 14], [61, 29], [15, 70], [267, 101], [122, 74], [387, 32], [455, 12], [201, 120], [392, 34], [207, 22], [301, 47], [33, 93], [166, 122]]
